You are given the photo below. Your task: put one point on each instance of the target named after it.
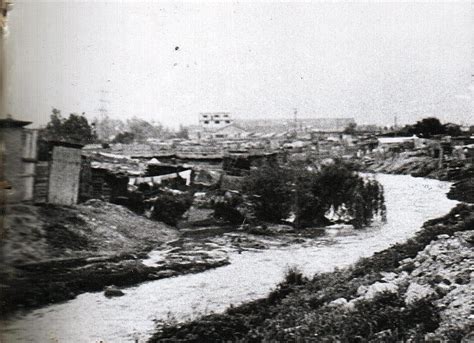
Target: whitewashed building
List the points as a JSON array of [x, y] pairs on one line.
[[216, 126]]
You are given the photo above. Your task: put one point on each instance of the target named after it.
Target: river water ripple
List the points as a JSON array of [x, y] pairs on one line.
[[93, 318]]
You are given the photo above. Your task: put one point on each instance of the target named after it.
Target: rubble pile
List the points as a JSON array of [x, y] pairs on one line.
[[444, 271], [443, 274]]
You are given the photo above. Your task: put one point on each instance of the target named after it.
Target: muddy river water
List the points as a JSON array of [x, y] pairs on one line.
[[91, 317]]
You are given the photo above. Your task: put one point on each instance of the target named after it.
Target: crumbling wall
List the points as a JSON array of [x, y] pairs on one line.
[[29, 158], [12, 142], [41, 182], [105, 185]]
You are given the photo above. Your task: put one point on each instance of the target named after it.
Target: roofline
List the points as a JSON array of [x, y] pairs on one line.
[[13, 123], [231, 124]]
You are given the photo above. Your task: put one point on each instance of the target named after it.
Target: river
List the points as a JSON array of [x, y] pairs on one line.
[[91, 317]]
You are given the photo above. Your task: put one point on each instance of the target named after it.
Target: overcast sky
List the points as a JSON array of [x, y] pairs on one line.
[[170, 61]]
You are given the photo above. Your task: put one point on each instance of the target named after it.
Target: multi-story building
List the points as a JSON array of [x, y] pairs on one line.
[[211, 121], [216, 125]]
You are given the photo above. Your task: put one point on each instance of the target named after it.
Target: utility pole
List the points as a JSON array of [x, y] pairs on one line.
[[295, 117], [103, 101], [101, 127]]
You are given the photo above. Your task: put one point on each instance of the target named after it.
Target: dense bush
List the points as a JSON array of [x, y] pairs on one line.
[[270, 190], [234, 208], [309, 194], [227, 211], [169, 208]]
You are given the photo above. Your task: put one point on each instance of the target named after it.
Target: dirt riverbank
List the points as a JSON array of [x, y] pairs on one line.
[[52, 254], [460, 173]]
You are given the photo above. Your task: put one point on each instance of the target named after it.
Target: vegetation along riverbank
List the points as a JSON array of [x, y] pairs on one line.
[[57, 252], [418, 290]]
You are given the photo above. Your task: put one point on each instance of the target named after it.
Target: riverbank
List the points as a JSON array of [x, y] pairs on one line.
[[420, 289], [416, 290], [415, 164], [51, 253], [252, 274], [55, 253]]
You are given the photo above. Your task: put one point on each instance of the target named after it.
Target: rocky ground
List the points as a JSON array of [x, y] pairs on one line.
[[407, 163], [444, 272], [441, 274], [420, 165], [421, 290]]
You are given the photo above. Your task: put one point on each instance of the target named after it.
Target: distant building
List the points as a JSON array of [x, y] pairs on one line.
[[396, 140], [299, 125], [214, 120], [394, 143], [216, 126], [231, 131]]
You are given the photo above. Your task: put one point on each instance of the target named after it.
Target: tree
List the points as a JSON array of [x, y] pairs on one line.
[[182, 132], [124, 138], [309, 194], [142, 129], [230, 209], [350, 129], [428, 127], [106, 128], [270, 190], [74, 129], [452, 129]]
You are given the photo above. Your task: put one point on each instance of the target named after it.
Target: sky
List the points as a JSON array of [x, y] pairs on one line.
[[169, 61]]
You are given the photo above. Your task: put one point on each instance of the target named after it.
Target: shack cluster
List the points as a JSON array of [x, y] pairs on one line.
[[218, 154]]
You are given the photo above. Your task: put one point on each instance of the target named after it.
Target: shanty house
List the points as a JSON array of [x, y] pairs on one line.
[[18, 154]]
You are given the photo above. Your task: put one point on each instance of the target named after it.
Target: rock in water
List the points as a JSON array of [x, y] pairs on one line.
[[112, 291]]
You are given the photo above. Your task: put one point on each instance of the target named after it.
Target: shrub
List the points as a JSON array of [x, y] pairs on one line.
[[270, 191], [169, 208], [294, 276], [228, 212]]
